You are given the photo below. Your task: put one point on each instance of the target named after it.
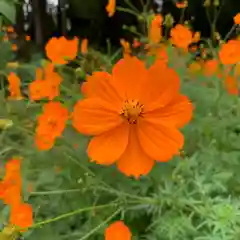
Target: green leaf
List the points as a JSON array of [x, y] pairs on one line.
[[8, 10]]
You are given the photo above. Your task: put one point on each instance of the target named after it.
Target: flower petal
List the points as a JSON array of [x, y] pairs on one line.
[[93, 116], [99, 85], [159, 141], [109, 146], [163, 85], [134, 161], [177, 113], [128, 76]]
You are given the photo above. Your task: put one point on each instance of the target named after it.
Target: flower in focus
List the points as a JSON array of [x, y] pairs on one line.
[[230, 52], [111, 7], [133, 115], [14, 86], [51, 124], [155, 29], [181, 36], [60, 50], [118, 231]]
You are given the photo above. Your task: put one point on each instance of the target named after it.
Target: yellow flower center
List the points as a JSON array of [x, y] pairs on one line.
[[132, 109]]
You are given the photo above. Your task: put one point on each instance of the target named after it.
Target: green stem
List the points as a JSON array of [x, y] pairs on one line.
[[69, 214], [121, 9], [55, 192], [101, 224]]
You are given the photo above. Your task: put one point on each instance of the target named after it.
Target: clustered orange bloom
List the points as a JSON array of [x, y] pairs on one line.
[[46, 84], [60, 50], [111, 7], [134, 115], [51, 124], [10, 193], [14, 86], [155, 29], [181, 36], [230, 52], [118, 231]]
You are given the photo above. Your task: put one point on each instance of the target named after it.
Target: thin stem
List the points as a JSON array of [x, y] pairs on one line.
[[69, 214], [101, 224], [121, 9], [55, 192]]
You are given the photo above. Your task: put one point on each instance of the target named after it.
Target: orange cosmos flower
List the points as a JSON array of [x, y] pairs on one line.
[[211, 67], [84, 46], [60, 50], [237, 19], [21, 216], [111, 7], [134, 115], [155, 29], [181, 36], [231, 84], [118, 231], [230, 52], [14, 86]]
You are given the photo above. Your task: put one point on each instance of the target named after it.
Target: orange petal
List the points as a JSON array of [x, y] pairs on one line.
[[98, 85], [128, 76], [93, 116], [159, 141], [163, 86], [108, 147], [134, 161], [177, 113]]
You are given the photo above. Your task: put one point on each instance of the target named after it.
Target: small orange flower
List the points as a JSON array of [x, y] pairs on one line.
[[211, 67], [28, 38], [118, 231], [14, 86], [60, 50], [111, 7], [182, 4], [155, 29], [126, 47], [14, 47], [134, 115], [237, 19], [196, 37], [10, 29], [231, 84], [21, 216], [84, 46], [230, 52], [181, 36], [136, 43]]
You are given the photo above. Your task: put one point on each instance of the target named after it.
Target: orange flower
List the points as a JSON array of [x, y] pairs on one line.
[[196, 37], [231, 84], [181, 36], [183, 4], [155, 29], [237, 19], [47, 87], [60, 50], [111, 7], [84, 46], [14, 86], [21, 216], [136, 43], [211, 67], [230, 52], [28, 38], [10, 29], [126, 47], [118, 231], [134, 116], [14, 47], [51, 124]]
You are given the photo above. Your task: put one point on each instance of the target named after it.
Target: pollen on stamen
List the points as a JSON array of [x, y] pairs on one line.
[[132, 110]]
